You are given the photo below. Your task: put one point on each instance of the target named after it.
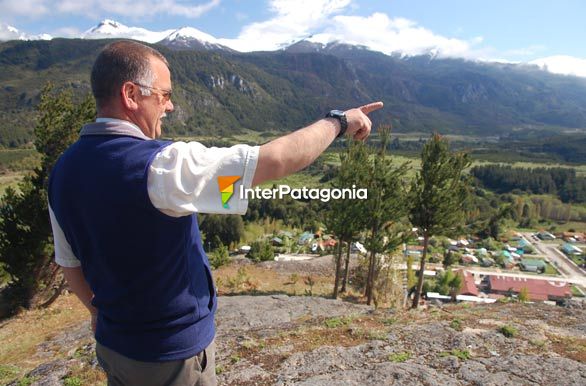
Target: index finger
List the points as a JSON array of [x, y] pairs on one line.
[[369, 108]]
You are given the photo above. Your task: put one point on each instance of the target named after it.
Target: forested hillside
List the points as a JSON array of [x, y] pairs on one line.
[[226, 92]]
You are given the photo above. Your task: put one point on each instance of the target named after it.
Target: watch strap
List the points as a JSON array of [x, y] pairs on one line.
[[341, 117]]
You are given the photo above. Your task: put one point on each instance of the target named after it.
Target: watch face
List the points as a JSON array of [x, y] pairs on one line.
[[336, 113]]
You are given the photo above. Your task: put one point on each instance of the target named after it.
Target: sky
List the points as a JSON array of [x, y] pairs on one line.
[[494, 30]]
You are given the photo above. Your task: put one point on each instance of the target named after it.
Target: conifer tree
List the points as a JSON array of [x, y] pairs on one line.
[[25, 232], [438, 195], [344, 217], [384, 208]]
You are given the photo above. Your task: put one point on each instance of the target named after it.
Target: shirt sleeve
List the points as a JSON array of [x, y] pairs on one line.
[[64, 256], [183, 178]]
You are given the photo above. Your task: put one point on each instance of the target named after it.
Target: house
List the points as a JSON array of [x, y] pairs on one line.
[[570, 249], [413, 250], [508, 260], [276, 241], [543, 235], [329, 243], [538, 290], [573, 237], [358, 247], [469, 259], [305, 238], [468, 284], [523, 243], [532, 265]]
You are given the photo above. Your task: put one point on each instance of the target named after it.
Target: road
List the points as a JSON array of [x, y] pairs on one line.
[[558, 259]]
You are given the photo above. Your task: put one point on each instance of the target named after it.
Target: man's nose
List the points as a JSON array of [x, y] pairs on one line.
[[169, 106]]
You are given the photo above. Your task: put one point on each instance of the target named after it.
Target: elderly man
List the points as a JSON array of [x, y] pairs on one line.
[[123, 209]]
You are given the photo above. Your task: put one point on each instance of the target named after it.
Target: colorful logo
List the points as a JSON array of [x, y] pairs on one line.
[[226, 184]]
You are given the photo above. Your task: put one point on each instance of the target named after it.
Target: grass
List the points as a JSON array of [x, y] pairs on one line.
[[508, 331], [10, 179], [576, 292], [20, 341], [297, 180], [18, 159], [231, 280], [400, 357], [460, 354], [337, 322], [456, 324], [550, 270]]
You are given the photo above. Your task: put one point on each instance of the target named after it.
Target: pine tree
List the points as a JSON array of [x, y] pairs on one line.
[[438, 195], [26, 247], [385, 207], [345, 216]]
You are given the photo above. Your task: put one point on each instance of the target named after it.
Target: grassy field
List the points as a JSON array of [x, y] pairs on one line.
[[10, 180]]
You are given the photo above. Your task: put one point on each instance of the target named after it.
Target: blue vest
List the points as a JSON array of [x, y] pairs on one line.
[[150, 276]]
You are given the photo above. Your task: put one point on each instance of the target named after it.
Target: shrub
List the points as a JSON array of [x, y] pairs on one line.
[[219, 257], [456, 324], [508, 331], [336, 322], [523, 295], [261, 251]]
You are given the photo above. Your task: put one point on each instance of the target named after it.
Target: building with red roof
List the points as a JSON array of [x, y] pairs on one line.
[[537, 289], [468, 285]]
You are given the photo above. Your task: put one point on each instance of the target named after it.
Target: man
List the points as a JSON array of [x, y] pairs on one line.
[[123, 206]]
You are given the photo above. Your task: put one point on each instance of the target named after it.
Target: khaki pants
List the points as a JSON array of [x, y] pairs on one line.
[[195, 371]]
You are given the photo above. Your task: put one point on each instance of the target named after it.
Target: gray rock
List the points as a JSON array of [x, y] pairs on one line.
[[244, 312], [47, 374], [404, 374]]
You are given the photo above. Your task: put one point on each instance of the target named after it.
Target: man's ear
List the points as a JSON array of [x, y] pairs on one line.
[[129, 94]]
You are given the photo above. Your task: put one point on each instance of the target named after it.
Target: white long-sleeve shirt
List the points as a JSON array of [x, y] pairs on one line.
[[182, 180]]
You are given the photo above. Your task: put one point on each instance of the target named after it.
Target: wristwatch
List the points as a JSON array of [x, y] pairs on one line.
[[340, 116]]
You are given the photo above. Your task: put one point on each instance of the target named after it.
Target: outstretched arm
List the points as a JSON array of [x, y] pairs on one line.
[[293, 152]]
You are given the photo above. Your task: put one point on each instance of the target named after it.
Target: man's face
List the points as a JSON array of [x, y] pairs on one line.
[[152, 108]]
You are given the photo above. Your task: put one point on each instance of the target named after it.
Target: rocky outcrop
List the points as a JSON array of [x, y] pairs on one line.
[[286, 341]]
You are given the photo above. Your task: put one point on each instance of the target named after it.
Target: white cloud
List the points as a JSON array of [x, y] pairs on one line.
[[293, 20], [153, 7], [91, 8], [10, 33], [321, 19], [381, 33], [30, 8], [562, 64]]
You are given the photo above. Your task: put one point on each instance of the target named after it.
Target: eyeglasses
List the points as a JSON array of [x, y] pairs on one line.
[[166, 94]]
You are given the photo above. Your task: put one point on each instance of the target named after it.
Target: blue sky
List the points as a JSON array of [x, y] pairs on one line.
[[511, 30]]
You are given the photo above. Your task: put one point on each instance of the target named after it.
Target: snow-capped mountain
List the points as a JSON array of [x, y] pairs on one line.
[[8, 32], [188, 37], [110, 29], [192, 38], [312, 45]]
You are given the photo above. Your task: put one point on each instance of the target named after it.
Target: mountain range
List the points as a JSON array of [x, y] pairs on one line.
[[219, 90], [189, 37]]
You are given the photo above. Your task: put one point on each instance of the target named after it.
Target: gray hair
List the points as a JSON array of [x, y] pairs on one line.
[[120, 62]]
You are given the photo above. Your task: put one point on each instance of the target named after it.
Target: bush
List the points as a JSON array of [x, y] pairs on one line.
[[261, 251], [219, 257], [508, 331], [456, 324], [523, 295]]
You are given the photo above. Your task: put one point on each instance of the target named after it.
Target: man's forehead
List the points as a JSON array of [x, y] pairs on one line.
[[160, 69]]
